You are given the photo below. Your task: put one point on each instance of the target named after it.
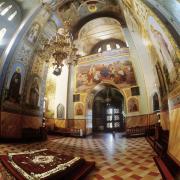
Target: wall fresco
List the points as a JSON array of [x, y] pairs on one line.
[[13, 89], [119, 72], [33, 33], [164, 54], [165, 51]]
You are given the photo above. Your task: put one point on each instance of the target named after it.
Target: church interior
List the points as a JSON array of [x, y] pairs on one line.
[[90, 89]]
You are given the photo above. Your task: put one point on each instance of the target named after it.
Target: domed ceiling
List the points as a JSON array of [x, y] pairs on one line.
[[98, 30]]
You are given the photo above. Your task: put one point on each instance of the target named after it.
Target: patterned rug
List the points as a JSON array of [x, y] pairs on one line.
[[45, 164]]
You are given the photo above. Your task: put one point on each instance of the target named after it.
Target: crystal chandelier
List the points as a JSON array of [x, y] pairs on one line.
[[61, 48]]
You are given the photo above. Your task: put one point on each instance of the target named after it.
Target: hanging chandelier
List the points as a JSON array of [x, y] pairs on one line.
[[60, 49]]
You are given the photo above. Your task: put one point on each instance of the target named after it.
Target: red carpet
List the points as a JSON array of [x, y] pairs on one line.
[[45, 164]]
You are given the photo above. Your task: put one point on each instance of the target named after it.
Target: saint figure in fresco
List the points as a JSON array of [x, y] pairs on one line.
[[97, 77], [91, 74], [33, 33], [104, 72], [14, 87], [34, 93]]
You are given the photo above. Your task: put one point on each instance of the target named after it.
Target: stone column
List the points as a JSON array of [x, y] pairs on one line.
[[70, 88]]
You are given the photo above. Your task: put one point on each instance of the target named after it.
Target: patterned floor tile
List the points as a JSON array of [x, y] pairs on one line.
[[116, 157]]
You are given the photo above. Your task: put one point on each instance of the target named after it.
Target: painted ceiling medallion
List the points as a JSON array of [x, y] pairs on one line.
[[92, 7], [43, 159]]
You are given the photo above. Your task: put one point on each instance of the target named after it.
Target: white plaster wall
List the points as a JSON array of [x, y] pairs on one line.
[[143, 102], [61, 90]]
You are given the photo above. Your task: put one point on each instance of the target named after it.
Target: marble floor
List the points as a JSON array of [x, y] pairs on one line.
[[116, 157]]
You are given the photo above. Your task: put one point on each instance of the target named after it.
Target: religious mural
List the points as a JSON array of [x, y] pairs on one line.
[[165, 51], [23, 53], [33, 33], [14, 87], [14, 84], [79, 109], [165, 56], [50, 95], [133, 105], [162, 81], [118, 72], [164, 48], [33, 93]]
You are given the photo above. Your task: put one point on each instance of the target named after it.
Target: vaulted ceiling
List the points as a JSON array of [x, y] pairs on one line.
[[98, 30]]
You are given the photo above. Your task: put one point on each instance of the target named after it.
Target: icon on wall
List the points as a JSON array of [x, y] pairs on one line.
[[79, 109], [133, 105], [33, 33]]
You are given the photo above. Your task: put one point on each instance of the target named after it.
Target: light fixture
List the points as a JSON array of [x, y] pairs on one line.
[[61, 48], [108, 99]]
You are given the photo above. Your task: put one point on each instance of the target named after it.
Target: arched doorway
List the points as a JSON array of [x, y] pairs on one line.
[[156, 102], [108, 110]]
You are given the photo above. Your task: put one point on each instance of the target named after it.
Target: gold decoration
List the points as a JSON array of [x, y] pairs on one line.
[[60, 48]]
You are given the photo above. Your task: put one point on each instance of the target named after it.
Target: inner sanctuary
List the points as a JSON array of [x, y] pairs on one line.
[[89, 89]]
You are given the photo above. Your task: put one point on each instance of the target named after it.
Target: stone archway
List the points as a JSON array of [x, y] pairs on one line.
[[91, 98]]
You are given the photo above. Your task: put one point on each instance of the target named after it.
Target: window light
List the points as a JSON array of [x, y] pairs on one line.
[[99, 50], [2, 33], [4, 11], [127, 44], [1, 4], [117, 46], [108, 47], [11, 17]]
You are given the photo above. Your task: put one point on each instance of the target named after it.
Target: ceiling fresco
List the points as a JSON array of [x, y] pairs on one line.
[[77, 10]]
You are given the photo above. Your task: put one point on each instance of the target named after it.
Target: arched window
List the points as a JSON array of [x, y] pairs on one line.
[[99, 50], [1, 4], [10, 19], [155, 102], [60, 111], [117, 46], [2, 33], [108, 45], [4, 11]]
